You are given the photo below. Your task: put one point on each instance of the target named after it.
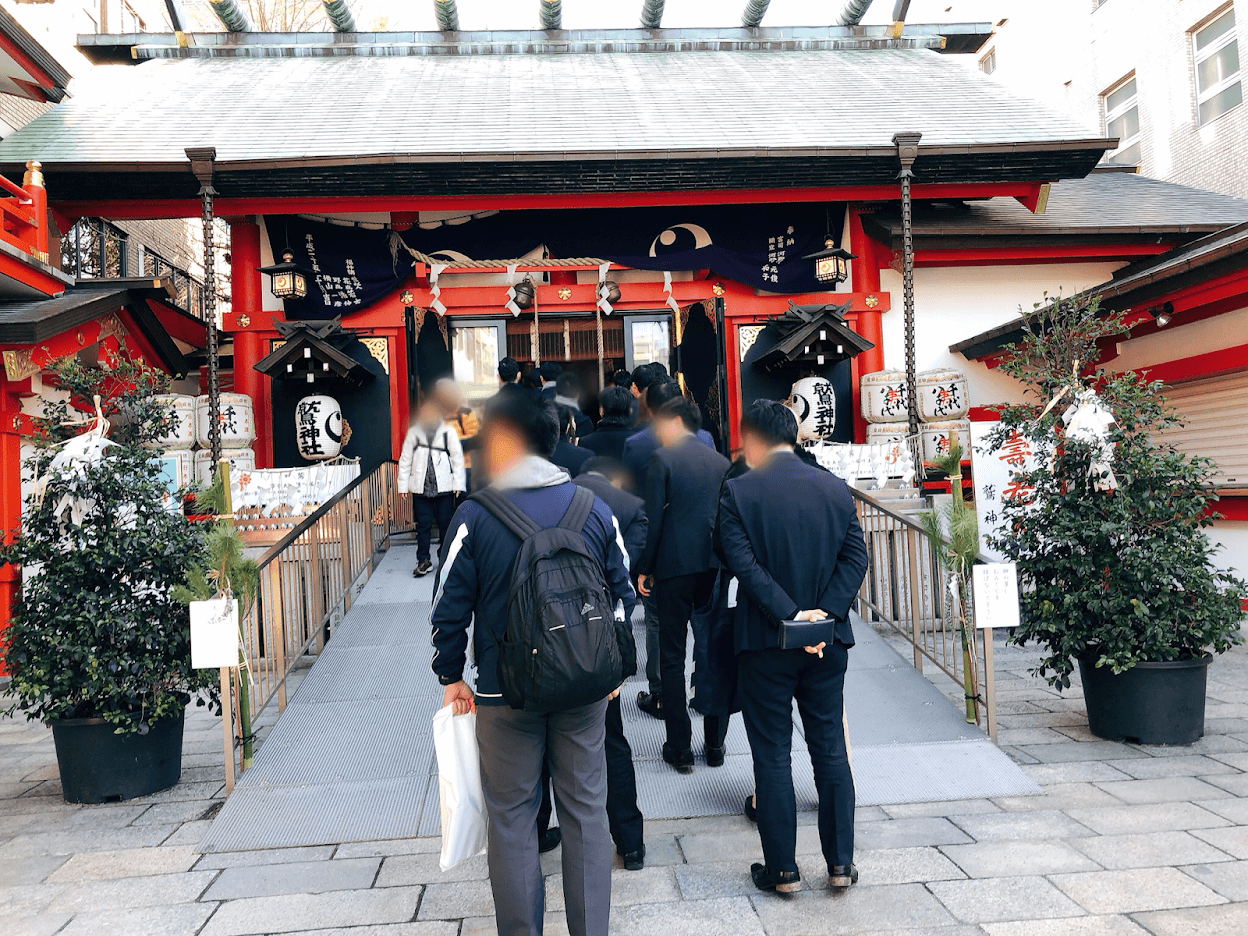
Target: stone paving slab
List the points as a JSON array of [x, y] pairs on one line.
[[1029, 897], [44, 925], [1017, 858], [267, 856], [1148, 850], [1148, 818], [1135, 891], [294, 877], [1167, 790], [435, 928], [858, 910], [294, 912], [1077, 926], [1208, 921], [123, 893], [1232, 840], [650, 885], [173, 920], [1003, 826], [1228, 878], [406, 870], [134, 862], [691, 918]]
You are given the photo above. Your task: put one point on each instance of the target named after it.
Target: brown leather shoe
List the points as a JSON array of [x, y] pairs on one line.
[[842, 876]]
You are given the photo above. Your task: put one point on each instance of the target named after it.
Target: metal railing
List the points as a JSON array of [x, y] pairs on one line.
[[906, 589], [309, 578]]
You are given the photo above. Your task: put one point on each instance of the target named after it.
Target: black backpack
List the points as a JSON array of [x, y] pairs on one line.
[[562, 647]]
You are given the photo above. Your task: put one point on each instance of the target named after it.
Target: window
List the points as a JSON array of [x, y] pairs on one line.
[[1122, 120], [476, 349], [988, 64], [1218, 87]]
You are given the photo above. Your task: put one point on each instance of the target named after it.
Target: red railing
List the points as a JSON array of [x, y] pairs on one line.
[[24, 213]]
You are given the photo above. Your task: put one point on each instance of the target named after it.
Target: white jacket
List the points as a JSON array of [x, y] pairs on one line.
[[448, 460]]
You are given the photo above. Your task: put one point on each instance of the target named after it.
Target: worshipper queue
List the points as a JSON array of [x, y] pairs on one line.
[[540, 567]]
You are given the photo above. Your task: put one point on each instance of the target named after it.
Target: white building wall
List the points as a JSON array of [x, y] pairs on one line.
[[1068, 53], [955, 303], [1231, 538]]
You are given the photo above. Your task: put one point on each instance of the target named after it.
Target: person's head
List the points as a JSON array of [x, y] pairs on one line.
[[551, 371], [660, 371], [676, 419], [767, 426], [515, 425], [568, 385], [622, 378], [567, 422], [430, 413], [532, 380], [659, 392], [643, 377], [508, 370], [446, 391], [609, 468], [616, 403]]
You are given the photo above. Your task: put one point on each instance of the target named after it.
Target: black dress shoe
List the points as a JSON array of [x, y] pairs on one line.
[[782, 882], [651, 704], [715, 756], [634, 861], [751, 807], [549, 840], [842, 875], [681, 760]]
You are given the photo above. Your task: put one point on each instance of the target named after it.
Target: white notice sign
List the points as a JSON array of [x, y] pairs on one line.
[[996, 594], [214, 633]]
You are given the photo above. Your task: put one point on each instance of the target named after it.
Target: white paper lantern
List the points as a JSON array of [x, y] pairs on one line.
[[182, 432], [237, 421], [884, 396], [935, 437], [943, 395], [813, 402], [241, 460], [318, 427]]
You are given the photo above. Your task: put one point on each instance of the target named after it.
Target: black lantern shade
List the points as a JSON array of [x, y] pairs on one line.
[[288, 279], [831, 263]]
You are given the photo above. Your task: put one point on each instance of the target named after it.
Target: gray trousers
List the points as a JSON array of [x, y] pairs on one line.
[[652, 644], [513, 747]]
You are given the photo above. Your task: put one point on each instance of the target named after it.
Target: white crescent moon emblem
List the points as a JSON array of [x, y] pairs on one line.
[[700, 237], [335, 436]]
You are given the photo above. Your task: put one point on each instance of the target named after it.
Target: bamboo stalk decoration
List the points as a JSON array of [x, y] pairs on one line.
[[447, 15], [652, 13], [755, 10], [853, 12], [552, 14], [232, 16], [242, 675], [339, 13]]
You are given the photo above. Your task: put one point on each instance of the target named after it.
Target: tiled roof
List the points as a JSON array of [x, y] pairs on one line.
[[609, 106], [1117, 203]]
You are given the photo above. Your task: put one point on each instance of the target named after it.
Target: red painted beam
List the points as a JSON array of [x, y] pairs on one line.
[[990, 256], [1210, 364], [41, 79], [30, 276], [329, 204]]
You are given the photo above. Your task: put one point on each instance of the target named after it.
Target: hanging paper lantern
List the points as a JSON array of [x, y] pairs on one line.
[[319, 427], [813, 402]]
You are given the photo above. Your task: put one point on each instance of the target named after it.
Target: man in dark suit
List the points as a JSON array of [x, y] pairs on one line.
[[641, 445], [550, 372], [789, 533], [615, 426], [568, 455], [568, 393], [682, 493]]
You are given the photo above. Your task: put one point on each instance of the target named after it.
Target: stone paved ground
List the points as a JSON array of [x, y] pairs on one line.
[[1125, 840]]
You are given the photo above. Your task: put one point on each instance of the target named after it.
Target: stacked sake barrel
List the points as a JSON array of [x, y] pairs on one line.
[[943, 402], [183, 464]]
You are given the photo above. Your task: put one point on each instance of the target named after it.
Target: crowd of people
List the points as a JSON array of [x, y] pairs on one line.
[[572, 524]]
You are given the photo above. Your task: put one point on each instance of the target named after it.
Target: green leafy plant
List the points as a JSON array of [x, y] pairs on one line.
[[95, 629], [954, 534], [1117, 576]]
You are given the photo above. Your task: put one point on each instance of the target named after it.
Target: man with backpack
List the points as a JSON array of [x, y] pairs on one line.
[[431, 469], [539, 565]]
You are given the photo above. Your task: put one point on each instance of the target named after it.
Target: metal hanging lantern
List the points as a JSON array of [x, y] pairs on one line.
[[288, 279], [831, 263]]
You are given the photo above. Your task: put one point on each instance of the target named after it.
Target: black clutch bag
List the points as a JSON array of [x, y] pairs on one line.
[[794, 634]]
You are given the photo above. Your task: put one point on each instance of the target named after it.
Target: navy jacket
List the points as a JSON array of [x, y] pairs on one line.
[[682, 495], [570, 457], [640, 446], [608, 439], [629, 512], [790, 535], [475, 574]]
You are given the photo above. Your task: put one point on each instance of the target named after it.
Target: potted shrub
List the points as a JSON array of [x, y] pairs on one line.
[[98, 646], [1115, 572]]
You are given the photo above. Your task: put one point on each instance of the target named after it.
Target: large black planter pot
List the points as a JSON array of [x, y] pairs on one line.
[[1151, 703], [98, 766]]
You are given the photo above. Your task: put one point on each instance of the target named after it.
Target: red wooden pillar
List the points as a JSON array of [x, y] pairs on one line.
[[870, 323], [10, 493], [246, 300]]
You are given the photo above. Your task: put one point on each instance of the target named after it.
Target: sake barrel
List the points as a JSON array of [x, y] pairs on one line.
[[236, 421], [887, 433], [181, 433], [240, 459], [813, 402], [884, 397], [318, 427], [935, 436], [178, 467], [943, 395]]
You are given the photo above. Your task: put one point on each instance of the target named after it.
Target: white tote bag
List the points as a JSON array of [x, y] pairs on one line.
[[464, 821]]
